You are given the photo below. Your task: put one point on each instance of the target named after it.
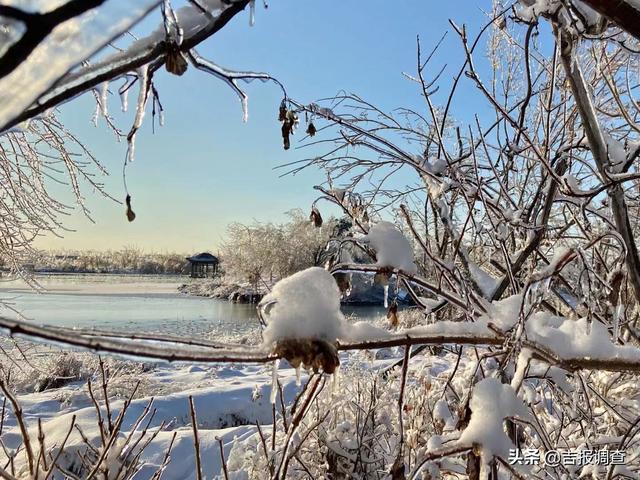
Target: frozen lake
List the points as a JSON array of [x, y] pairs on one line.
[[132, 303]]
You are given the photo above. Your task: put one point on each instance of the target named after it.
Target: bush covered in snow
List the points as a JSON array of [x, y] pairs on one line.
[[264, 252], [126, 260]]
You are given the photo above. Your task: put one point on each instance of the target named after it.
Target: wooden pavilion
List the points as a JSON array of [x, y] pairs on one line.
[[203, 265]]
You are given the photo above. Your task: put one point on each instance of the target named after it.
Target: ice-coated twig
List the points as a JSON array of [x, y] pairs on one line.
[[24, 432], [196, 438], [145, 51], [231, 78]]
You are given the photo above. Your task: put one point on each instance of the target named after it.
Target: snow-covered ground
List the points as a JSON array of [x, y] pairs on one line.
[[52, 386], [229, 400]]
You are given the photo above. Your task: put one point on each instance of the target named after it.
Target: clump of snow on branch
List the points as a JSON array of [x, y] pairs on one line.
[[576, 338], [491, 403], [566, 337], [304, 305], [485, 282], [391, 246]]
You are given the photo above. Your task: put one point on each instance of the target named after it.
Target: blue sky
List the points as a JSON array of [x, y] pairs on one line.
[[206, 168]]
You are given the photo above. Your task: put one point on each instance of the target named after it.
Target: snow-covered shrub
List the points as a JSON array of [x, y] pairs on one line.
[[264, 252], [125, 260], [58, 370], [351, 429], [50, 368]]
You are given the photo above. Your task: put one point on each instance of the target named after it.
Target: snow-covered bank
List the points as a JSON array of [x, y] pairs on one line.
[[363, 290], [224, 289], [96, 284], [229, 401]]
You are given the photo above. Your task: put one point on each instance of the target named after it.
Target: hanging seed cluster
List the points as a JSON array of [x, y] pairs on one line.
[[315, 218], [358, 208], [289, 120], [311, 353]]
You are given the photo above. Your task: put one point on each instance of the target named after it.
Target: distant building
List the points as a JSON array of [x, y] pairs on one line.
[[203, 265]]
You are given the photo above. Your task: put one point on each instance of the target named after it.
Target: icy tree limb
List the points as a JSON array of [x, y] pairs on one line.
[[138, 349], [478, 333], [153, 54], [231, 78], [541, 224], [624, 13], [38, 26], [599, 150], [55, 42]]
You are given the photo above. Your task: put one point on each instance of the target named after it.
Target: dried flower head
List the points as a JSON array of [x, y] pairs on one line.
[[315, 217]]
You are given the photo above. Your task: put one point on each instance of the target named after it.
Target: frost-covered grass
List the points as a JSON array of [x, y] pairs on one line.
[[126, 260]]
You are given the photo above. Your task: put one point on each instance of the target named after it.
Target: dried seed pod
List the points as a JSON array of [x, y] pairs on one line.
[[392, 314], [130, 215], [282, 112], [292, 118], [315, 217], [286, 131], [311, 129], [344, 282], [382, 277], [615, 284], [174, 61], [397, 471], [311, 353]]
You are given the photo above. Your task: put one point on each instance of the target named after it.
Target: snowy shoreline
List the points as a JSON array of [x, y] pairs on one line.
[[224, 290], [96, 284], [363, 293]]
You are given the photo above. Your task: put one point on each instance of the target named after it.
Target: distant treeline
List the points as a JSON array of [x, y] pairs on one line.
[[126, 260]]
